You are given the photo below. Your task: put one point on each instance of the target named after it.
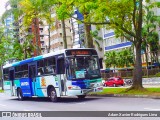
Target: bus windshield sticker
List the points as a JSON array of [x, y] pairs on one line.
[[80, 74]]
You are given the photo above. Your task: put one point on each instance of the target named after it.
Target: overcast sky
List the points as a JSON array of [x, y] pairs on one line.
[[2, 6]]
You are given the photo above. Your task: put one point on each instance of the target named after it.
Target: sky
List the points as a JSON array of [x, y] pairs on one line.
[[2, 6]]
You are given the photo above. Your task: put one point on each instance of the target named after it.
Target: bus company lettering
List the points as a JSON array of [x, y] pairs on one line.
[[24, 83]]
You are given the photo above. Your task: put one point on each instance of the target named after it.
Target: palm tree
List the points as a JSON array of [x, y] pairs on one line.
[[35, 10], [25, 50]]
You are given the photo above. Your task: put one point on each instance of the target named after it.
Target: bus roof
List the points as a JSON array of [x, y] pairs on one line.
[[42, 56]]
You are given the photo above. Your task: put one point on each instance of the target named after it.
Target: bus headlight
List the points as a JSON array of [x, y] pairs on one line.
[[74, 88], [101, 84]]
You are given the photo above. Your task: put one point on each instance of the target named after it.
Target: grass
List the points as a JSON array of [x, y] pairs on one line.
[[1, 91], [147, 91]]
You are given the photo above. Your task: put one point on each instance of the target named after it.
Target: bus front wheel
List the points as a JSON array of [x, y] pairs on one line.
[[19, 94], [81, 96], [53, 95]]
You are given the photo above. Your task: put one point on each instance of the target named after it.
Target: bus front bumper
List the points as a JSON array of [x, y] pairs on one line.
[[84, 91]]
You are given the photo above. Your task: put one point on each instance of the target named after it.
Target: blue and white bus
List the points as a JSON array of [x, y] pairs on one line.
[[68, 72]]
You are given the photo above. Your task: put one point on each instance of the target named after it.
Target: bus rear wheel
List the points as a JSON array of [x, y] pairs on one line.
[[19, 94], [53, 95], [81, 96]]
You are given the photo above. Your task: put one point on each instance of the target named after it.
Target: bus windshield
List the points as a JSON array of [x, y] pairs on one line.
[[83, 67]]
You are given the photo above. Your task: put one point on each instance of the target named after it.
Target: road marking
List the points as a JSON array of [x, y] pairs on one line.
[[2, 105], [152, 109]]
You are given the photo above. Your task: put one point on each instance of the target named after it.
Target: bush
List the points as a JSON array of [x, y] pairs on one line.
[[157, 74]]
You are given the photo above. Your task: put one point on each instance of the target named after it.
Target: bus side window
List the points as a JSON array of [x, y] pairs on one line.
[[40, 67], [6, 74], [61, 66], [49, 65]]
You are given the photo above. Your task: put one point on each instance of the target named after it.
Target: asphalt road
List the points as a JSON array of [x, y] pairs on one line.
[[8, 103]]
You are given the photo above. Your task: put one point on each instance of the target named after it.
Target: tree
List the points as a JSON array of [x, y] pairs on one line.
[[62, 8], [6, 47], [33, 11], [125, 21], [25, 50], [14, 10], [149, 34], [96, 39], [111, 59], [123, 58], [85, 7]]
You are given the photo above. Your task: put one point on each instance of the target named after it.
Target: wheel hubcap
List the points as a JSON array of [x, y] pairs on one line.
[[19, 95], [53, 94]]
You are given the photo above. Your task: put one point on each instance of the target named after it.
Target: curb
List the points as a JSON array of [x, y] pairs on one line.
[[127, 96]]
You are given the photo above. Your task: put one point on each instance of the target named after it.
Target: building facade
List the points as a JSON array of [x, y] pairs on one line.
[[56, 35]]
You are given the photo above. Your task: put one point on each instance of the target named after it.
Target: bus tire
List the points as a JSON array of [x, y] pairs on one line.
[[53, 95], [81, 96], [19, 95]]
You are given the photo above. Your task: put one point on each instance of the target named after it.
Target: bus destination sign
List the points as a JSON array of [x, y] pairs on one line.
[[81, 52]]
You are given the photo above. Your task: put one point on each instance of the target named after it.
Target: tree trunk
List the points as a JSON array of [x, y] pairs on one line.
[[88, 37], [73, 31], [146, 61], [64, 34], [36, 36], [137, 75], [49, 38], [2, 80]]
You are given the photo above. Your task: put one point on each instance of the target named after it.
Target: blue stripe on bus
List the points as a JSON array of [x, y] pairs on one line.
[[26, 61], [16, 64], [83, 84], [37, 58]]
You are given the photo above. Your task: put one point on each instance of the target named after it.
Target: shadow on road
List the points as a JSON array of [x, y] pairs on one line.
[[61, 100]]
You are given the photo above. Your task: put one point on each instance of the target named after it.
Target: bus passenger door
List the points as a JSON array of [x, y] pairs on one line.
[[11, 78], [61, 74], [32, 76]]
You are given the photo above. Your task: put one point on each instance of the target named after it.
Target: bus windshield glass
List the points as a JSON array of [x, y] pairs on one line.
[[83, 67]]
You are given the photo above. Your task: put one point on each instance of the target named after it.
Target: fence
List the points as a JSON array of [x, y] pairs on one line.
[[129, 74]]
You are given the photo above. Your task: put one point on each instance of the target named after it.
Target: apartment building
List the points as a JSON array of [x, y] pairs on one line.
[[56, 38], [77, 30]]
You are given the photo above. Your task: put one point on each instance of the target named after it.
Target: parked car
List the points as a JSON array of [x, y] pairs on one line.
[[114, 81]]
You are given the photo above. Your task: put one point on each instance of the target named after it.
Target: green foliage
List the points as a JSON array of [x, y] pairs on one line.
[[123, 58], [6, 47], [35, 9], [14, 11], [96, 39], [111, 59], [23, 51], [157, 74]]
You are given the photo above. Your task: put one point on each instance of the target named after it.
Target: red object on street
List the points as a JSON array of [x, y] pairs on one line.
[[114, 81]]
